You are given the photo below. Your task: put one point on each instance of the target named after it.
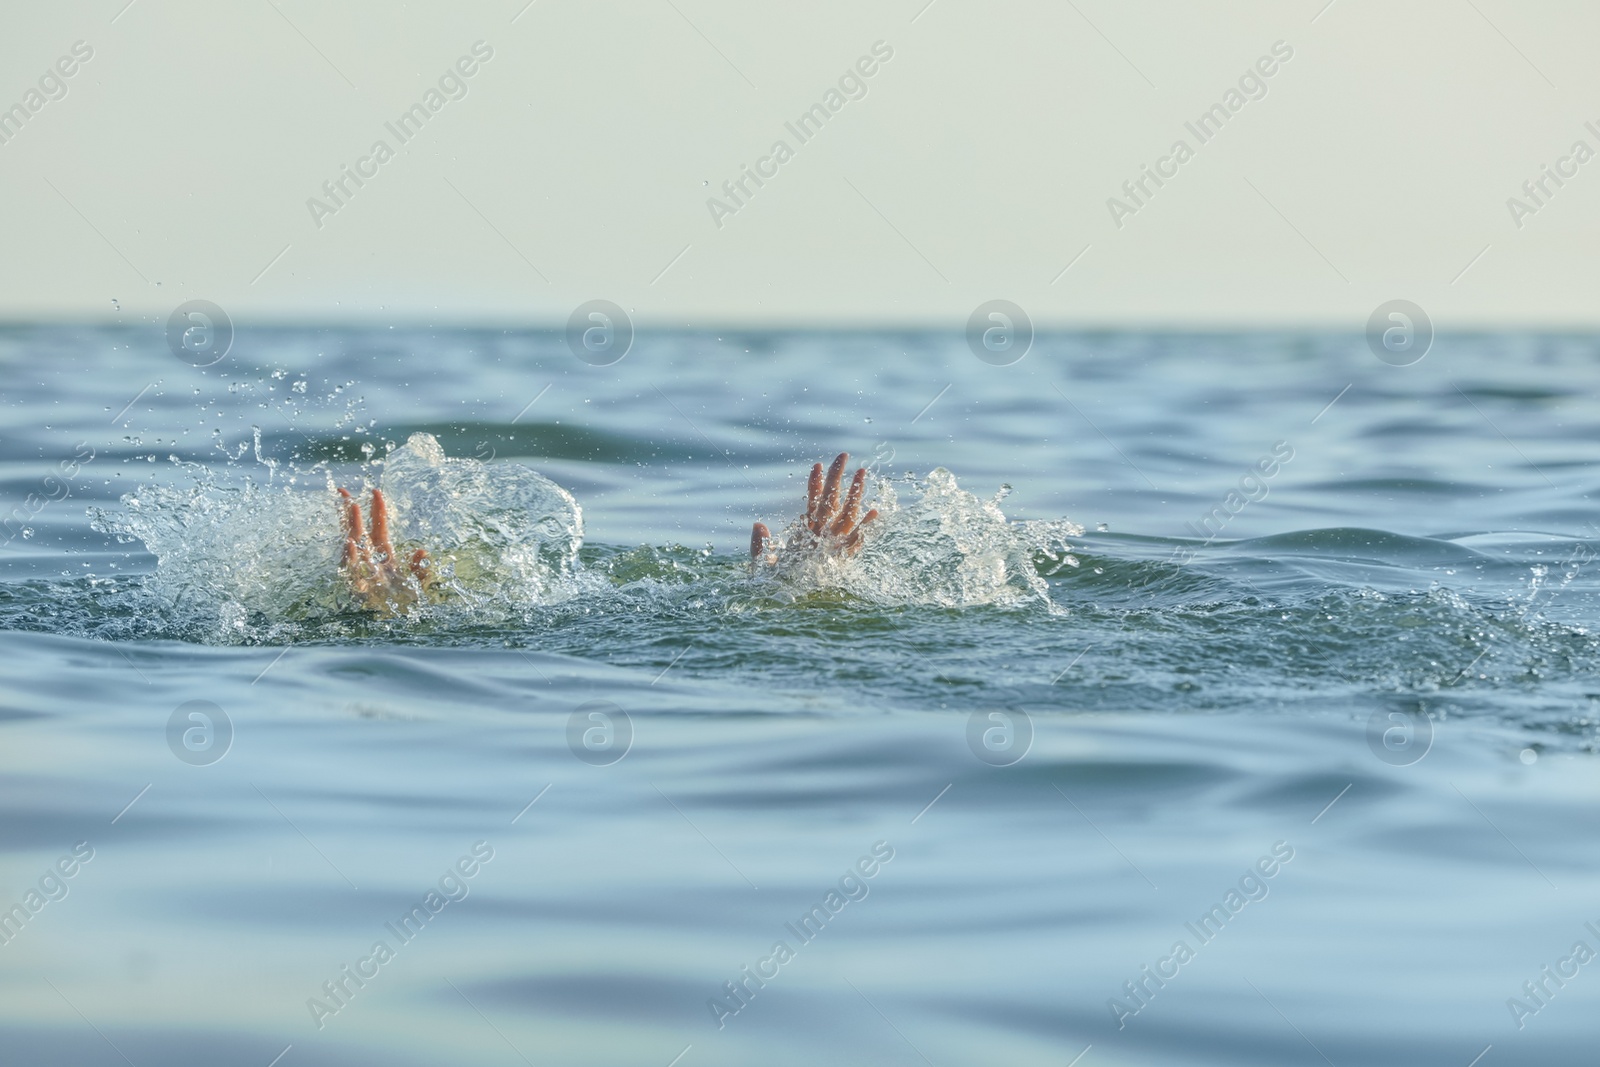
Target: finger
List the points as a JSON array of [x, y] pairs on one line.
[[830, 492], [380, 526], [350, 519], [355, 549], [758, 538], [852, 504], [852, 543], [813, 495]]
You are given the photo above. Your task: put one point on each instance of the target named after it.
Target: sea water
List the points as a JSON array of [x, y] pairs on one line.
[[1195, 699]]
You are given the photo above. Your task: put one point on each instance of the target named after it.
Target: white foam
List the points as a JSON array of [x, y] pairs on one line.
[[933, 543], [252, 562], [262, 559]]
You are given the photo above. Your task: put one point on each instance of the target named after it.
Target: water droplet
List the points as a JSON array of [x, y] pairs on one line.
[[1528, 755], [115, 304], [1102, 527]]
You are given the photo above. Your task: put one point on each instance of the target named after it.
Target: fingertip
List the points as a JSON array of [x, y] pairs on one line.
[[380, 524], [345, 504], [831, 487], [352, 535]]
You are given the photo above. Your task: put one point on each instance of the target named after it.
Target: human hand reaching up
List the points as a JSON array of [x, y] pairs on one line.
[[831, 527]]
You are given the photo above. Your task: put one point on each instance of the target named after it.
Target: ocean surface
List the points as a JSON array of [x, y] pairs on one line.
[[1195, 699]]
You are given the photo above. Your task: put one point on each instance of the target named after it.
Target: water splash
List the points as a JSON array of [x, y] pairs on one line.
[[932, 544], [503, 533], [253, 562]]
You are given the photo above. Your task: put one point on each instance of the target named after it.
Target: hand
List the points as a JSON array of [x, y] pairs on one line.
[[834, 529], [368, 564]]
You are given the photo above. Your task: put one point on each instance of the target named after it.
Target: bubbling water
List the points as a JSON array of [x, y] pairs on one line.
[[940, 546], [497, 533], [260, 560], [257, 562]]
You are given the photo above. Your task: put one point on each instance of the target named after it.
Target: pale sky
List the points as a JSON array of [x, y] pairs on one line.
[[978, 164]]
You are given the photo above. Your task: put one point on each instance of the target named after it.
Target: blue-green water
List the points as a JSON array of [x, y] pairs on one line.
[[1382, 667]]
